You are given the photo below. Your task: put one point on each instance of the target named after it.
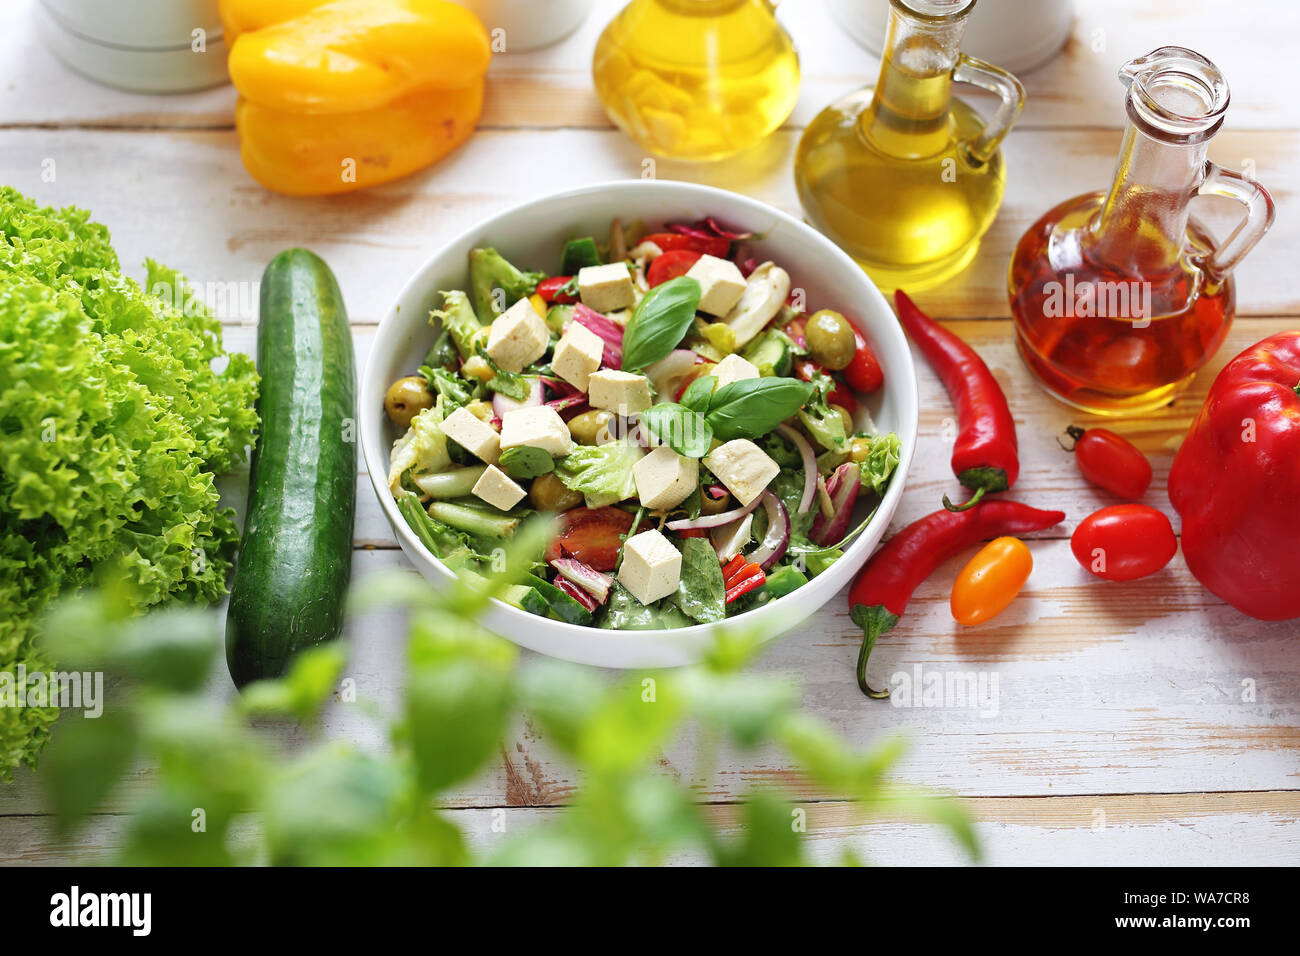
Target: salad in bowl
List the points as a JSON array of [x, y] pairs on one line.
[[699, 429]]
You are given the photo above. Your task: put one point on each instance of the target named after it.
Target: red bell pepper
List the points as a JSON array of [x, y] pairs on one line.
[[1236, 482]]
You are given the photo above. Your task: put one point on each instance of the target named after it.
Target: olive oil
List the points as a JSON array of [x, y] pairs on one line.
[[696, 79], [905, 177]]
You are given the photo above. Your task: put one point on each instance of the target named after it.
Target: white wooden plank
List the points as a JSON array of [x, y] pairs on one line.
[[552, 87]]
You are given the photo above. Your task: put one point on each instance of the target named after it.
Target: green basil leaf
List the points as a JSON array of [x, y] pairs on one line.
[[660, 322], [753, 407], [701, 592], [697, 394], [524, 461], [683, 430]]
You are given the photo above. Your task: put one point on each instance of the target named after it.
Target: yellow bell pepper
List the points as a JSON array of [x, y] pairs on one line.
[[352, 93]]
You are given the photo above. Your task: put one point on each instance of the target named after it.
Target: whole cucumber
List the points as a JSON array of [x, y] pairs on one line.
[[296, 557]]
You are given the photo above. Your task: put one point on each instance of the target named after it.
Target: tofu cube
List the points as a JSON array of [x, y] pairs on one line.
[[473, 434], [721, 284], [606, 288], [664, 478], [538, 426], [743, 467], [733, 368], [618, 391], [577, 355], [518, 337], [498, 489], [652, 566]]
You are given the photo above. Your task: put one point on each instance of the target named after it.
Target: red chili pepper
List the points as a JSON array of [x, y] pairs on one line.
[[984, 456], [1124, 542], [731, 567], [670, 265], [717, 246], [557, 289], [882, 589], [1110, 461], [864, 373], [745, 585], [748, 570]]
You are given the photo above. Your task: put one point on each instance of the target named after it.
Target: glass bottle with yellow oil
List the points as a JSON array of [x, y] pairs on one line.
[[905, 177], [696, 79]]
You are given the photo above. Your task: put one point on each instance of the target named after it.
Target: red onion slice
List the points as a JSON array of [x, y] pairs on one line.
[[809, 465], [504, 403], [843, 488], [712, 521], [777, 537], [593, 582]]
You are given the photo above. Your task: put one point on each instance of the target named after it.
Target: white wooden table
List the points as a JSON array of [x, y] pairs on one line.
[[1121, 735]]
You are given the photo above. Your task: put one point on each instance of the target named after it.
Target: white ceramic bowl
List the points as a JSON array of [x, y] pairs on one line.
[[531, 236]]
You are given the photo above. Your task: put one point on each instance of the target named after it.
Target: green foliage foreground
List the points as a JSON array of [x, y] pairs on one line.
[[223, 794]]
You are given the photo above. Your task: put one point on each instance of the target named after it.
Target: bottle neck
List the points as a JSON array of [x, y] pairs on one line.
[[908, 116], [1141, 226]]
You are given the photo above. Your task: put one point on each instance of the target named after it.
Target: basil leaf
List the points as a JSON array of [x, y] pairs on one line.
[[683, 430], [524, 461], [697, 394], [660, 322], [753, 407], [701, 592]]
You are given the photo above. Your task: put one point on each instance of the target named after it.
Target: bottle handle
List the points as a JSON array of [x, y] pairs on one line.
[[1010, 93], [1260, 213]]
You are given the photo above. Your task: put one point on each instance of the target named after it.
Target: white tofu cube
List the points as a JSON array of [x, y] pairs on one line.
[[743, 467], [651, 566], [498, 489], [618, 391], [733, 368], [577, 355], [606, 288], [664, 478], [518, 337], [473, 434], [538, 426], [721, 284]]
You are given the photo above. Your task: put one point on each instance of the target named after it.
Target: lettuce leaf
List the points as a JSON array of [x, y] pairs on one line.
[[602, 471]]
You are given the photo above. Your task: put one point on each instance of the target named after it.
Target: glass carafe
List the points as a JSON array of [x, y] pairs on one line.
[[905, 177], [1118, 297], [696, 79]]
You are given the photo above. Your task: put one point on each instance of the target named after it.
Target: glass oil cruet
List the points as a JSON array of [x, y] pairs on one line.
[[906, 178], [1118, 297], [696, 79]]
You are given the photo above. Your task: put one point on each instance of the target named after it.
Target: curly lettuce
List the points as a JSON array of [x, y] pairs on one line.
[[118, 406]]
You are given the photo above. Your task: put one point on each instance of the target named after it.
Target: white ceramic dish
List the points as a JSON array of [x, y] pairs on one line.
[[531, 236]]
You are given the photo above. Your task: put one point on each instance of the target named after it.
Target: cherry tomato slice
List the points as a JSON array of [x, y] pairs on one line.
[[990, 581], [552, 290], [840, 395], [864, 372], [671, 265], [717, 246], [1111, 462], [1124, 542], [591, 535]]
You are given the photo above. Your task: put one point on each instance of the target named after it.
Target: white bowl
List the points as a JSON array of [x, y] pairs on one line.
[[531, 236]]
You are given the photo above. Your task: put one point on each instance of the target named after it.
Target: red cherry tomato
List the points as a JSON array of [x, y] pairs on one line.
[[1111, 462], [840, 395], [864, 372], [706, 245], [1124, 542], [671, 265], [552, 290], [591, 535]]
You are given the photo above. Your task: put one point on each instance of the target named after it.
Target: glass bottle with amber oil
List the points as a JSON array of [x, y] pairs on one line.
[[1118, 297], [696, 79], [905, 177]]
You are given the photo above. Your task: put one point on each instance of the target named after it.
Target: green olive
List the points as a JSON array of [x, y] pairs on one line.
[[592, 428], [830, 340], [714, 506], [859, 448], [548, 493], [477, 367], [405, 399]]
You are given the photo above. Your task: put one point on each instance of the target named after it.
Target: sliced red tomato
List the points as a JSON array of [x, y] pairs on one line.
[[795, 329], [805, 369], [700, 369], [671, 265], [552, 290], [864, 372], [591, 535], [706, 245]]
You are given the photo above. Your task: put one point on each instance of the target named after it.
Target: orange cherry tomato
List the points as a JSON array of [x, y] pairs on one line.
[[990, 581]]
